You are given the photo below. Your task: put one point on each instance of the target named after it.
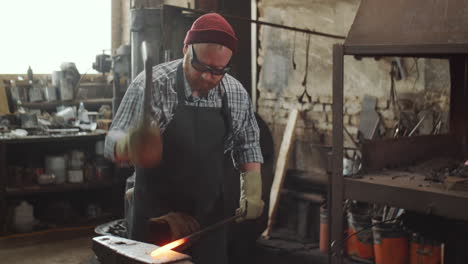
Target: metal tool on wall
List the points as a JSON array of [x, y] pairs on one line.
[[304, 82], [294, 52]]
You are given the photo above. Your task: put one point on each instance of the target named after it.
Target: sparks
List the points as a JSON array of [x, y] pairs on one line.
[[167, 247]]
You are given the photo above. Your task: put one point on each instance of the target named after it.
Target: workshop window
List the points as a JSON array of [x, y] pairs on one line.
[[43, 34]]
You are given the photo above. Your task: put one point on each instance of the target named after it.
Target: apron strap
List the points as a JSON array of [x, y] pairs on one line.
[[225, 111], [180, 85]]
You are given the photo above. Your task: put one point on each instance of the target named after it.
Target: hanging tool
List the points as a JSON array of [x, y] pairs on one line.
[[304, 82], [294, 52]]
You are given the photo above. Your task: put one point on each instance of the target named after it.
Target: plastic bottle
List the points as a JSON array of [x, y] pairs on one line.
[[83, 114], [24, 217], [30, 75]]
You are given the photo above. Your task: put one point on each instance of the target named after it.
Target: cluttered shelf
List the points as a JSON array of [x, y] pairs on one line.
[[97, 134], [411, 190], [64, 187], [91, 103]]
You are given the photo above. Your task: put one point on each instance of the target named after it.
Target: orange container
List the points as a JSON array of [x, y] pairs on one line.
[[391, 244], [425, 251], [323, 246], [359, 246]]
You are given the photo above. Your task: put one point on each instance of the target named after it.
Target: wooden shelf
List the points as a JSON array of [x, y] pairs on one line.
[[60, 188], [98, 134], [408, 190], [82, 226], [38, 146]]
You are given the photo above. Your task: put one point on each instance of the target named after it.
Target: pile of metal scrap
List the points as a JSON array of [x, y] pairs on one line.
[[451, 172], [26, 122], [424, 122], [114, 228]]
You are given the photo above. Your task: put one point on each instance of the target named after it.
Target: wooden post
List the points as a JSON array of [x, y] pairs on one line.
[[3, 186], [4, 108], [280, 171]]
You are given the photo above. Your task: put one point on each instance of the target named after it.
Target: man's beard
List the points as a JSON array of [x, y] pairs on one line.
[[198, 84], [202, 86]]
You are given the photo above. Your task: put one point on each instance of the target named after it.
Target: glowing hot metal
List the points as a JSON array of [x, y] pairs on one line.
[[168, 247], [174, 244]]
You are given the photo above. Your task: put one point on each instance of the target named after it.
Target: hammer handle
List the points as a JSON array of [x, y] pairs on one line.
[[148, 68]]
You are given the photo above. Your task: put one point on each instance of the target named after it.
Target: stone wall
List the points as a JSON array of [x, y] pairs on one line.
[[284, 76]]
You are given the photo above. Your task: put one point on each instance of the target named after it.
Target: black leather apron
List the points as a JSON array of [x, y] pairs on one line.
[[190, 177]]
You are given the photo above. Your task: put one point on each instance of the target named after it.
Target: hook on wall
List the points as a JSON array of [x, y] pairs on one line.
[[304, 82]]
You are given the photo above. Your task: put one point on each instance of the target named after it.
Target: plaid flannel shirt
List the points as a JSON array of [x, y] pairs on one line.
[[243, 140]]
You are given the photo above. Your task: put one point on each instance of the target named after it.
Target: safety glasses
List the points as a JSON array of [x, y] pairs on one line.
[[200, 66]]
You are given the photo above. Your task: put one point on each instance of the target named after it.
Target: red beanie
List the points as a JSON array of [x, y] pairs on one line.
[[212, 28]]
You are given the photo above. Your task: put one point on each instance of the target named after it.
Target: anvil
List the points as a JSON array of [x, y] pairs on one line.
[[117, 250]]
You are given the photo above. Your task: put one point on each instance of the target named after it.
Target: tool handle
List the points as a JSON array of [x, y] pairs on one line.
[[213, 227], [148, 68]]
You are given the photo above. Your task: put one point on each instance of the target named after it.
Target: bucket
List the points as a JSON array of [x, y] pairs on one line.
[[56, 77], [99, 148], [359, 246], [75, 176], [76, 160], [390, 243], [56, 165], [103, 168], [323, 246], [424, 251], [24, 217]]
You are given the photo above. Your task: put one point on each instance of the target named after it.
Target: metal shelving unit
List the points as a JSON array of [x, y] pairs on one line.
[[111, 186], [385, 28]]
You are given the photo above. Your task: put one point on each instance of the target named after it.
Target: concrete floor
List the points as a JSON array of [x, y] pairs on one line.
[[71, 251], [47, 248], [75, 248]]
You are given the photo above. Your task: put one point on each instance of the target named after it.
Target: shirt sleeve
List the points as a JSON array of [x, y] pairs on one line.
[[127, 116], [246, 134]]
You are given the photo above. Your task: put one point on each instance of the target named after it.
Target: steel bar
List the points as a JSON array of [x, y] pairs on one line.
[[312, 32], [336, 189], [417, 126], [212, 227], [351, 137]]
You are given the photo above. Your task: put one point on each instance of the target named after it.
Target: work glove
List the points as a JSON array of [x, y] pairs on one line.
[[179, 224], [251, 204], [142, 146]]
